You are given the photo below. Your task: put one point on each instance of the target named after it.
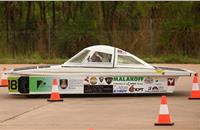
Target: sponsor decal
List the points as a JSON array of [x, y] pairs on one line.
[[131, 84], [155, 89], [156, 80], [134, 89], [171, 81], [120, 89], [139, 84], [93, 80], [149, 89], [120, 83], [108, 80], [98, 89], [138, 89], [131, 89], [40, 83], [128, 78], [71, 85], [63, 83], [87, 79], [162, 89], [75, 84], [148, 80], [159, 82], [101, 79], [98, 80]]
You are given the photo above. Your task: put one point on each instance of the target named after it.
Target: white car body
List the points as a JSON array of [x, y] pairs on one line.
[[98, 69]]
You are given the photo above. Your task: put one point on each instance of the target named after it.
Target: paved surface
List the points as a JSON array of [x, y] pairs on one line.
[[101, 112]]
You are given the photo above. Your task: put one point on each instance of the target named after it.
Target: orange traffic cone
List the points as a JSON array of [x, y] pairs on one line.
[[195, 88], [4, 79], [55, 95], [90, 129], [164, 117]]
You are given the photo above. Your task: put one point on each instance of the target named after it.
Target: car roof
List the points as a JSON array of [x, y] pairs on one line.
[[109, 50], [101, 48]]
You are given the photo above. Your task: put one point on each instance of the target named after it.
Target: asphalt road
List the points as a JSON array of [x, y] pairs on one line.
[[135, 112]]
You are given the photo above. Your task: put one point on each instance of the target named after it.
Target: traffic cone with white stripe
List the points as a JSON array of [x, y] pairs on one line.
[[195, 94], [55, 95], [164, 117], [4, 79]]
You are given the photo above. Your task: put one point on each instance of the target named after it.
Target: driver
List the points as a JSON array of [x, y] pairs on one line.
[[96, 57]]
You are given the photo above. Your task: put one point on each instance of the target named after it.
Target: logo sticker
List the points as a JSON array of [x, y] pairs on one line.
[[40, 83], [155, 89], [171, 81], [93, 80], [86, 79], [129, 78], [108, 80], [120, 89], [63, 83], [148, 80], [101, 79], [131, 89]]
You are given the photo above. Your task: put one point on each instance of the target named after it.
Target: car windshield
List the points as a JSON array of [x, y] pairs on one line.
[[80, 57]]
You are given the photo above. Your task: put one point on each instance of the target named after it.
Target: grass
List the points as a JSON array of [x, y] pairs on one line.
[[172, 59]]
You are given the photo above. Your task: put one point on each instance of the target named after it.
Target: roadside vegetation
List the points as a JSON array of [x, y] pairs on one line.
[[51, 31], [153, 60]]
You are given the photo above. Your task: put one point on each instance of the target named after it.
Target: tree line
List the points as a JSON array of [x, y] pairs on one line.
[[61, 29]]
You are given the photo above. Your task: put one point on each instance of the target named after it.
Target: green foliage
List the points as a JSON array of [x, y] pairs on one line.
[[47, 29], [180, 30], [75, 35]]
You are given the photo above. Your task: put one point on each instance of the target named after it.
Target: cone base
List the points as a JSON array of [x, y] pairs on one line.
[[194, 98], [163, 124], [57, 100]]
